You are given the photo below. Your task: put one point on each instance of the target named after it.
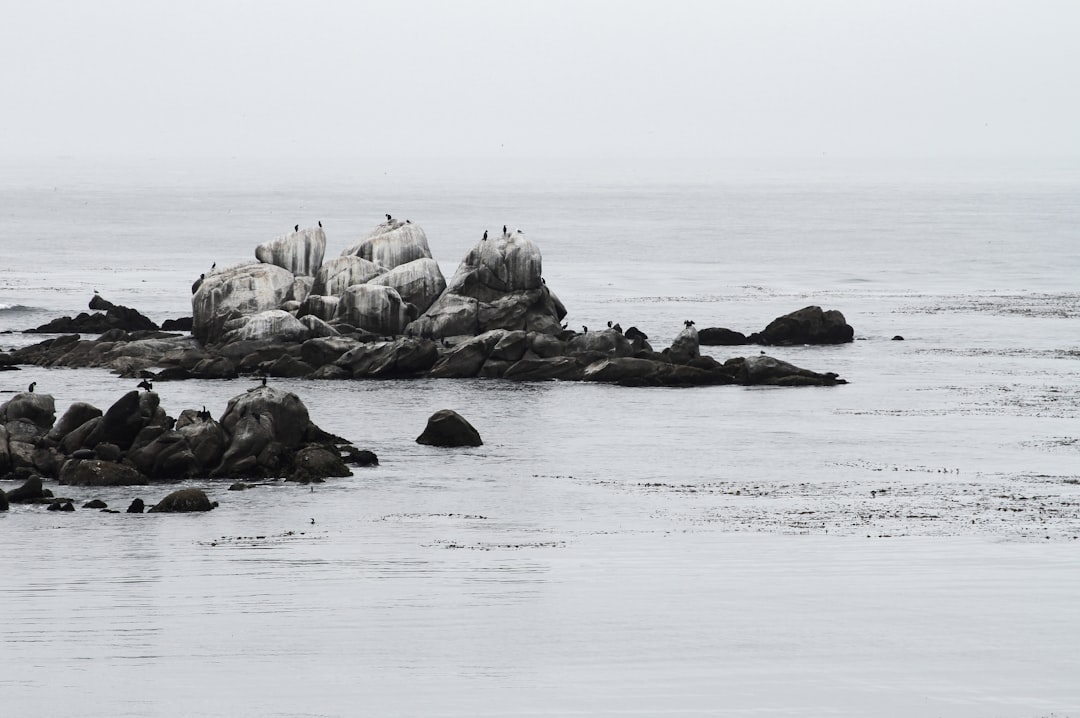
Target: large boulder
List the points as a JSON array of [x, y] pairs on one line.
[[76, 415], [318, 305], [183, 501], [325, 350], [271, 324], [289, 422], [419, 282], [317, 462], [31, 491], [720, 337], [685, 347], [38, 409], [545, 369], [497, 286], [205, 437], [606, 341], [234, 292], [404, 356], [167, 457], [252, 449], [338, 274], [391, 244], [633, 371], [448, 428], [298, 252], [465, 359], [809, 325], [374, 308], [123, 421]]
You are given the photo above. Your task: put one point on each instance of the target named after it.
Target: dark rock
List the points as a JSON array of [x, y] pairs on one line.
[[638, 339], [37, 408], [313, 463], [182, 324], [241, 486], [603, 343], [61, 505], [183, 501], [207, 440], [465, 359], [447, 428], [95, 504], [107, 316], [401, 357], [809, 325], [562, 368], [77, 414], [215, 368], [168, 457], [83, 454], [136, 507], [107, 452], [325, 350], [173, 373], [3, 501], [289, 367], [764, 369], [685, 347], [30, 492], [720, 337], [360, 457], [330, 371], [898, 338], [93, 472]]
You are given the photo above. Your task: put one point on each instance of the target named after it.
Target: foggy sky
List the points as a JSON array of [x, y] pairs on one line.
[[540, 79]]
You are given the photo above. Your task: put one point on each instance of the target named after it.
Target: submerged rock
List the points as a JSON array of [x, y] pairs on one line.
[[183, 501], [809, 325]]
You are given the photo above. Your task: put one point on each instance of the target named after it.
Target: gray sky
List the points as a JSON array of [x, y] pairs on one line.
[[753, 78]]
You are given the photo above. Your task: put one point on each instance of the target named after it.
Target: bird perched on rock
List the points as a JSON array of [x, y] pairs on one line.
[[584, 329], [144, 384], [296, 228], [320, 224], [484, 238], [609, 324], [204, 414], [31, 387], [689, 322], [504, 230], [388, 218]]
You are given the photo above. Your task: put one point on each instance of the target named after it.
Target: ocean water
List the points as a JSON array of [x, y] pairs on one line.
[[903, 545]]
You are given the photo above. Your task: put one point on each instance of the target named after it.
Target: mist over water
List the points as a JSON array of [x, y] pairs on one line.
[[902, 545]]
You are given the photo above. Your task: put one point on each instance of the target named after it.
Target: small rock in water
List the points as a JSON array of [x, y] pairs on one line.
[[137, 507]]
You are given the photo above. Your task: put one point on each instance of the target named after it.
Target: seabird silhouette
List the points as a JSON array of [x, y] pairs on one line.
[[31, 387], [213, 266], [296, 228], [689, 322], [144, 384], [388, 218], [584, 329], [484, 238], [609, 324], [504, 230], [320, 224], [264, 379]]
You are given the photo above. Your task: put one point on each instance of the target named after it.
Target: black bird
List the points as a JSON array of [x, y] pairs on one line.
[[584, 329], [689, 322], [320, 224], [144, 384], [617, 328], [31, 387], [204, 414], [504, 230], [296, 228], [609, 324], [213, 266], [485, 235], [408, 221], [388, 218], [264, 379]]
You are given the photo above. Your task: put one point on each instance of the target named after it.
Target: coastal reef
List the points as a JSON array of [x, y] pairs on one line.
[[384, 310]]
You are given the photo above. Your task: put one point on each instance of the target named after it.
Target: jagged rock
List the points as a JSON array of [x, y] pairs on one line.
[[685, 347], [315, 463], [720, 337], [237, 291], [336, 275], [448, 428], [391, 244], [403, 356], [76, 415], [765, 369], [275, 324], [545, 369], [809, 325], [419, 282], [374, 308], [39, 409], [183, 501], [322, 307], [30, 492], [297, 252], [93, 472]]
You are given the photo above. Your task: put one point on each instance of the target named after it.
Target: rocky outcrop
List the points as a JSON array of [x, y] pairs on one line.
[[809, 325], [402, 357], [236, 292], [764, 369], [392, 244], [272, 324], [497, 286], [720, 337], [39, 409], [93, 472], [448, 428], [183, 501], [106, 316], [685, 348], [299, 252]]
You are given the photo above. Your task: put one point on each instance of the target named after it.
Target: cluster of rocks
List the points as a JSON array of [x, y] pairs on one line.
[[264, 432], [383, 310], [810, 325], [108, 317]]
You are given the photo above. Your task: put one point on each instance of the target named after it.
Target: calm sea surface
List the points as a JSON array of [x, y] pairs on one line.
[[904, 545]]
